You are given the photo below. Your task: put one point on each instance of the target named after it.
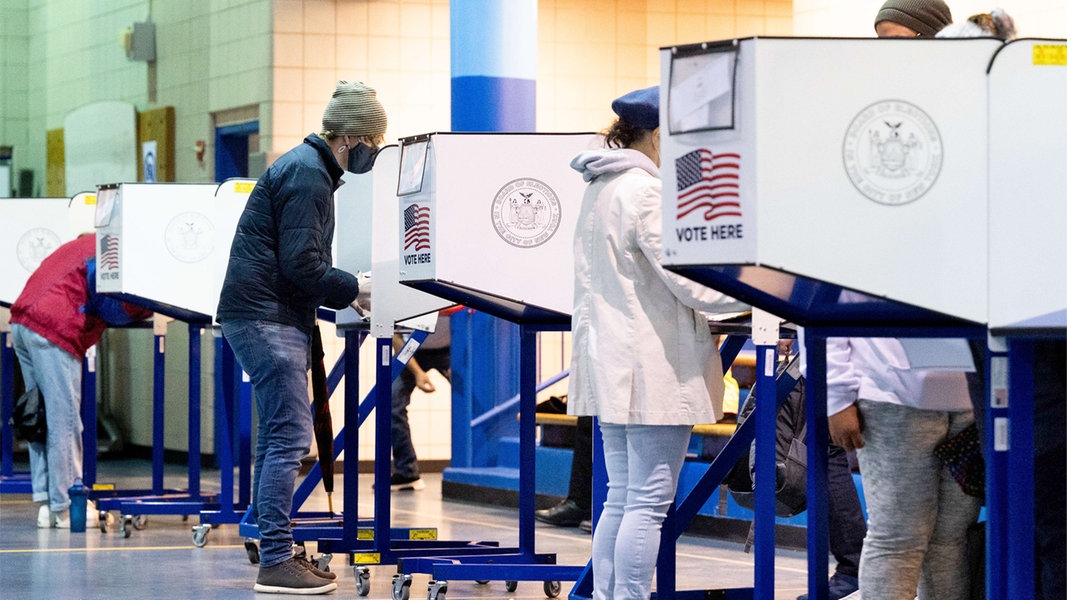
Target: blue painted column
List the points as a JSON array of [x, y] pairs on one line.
[[494, 65]]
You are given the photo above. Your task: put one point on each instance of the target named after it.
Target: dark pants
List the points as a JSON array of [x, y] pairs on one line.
[[847, 526], [581, 484], [405, 463]]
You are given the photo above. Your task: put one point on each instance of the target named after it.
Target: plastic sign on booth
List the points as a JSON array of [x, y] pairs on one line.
[[487, 220], [1028, 188], [156, 244], [830, 180], [30, 229], [371, 198]]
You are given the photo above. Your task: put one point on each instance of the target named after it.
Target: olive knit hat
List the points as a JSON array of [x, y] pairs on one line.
[[354, 109], [925, 17]]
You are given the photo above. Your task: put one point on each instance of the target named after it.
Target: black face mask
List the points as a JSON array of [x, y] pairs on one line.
[[361, 158]]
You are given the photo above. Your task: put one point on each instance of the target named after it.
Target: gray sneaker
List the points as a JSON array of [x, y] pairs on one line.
[[291, 577]]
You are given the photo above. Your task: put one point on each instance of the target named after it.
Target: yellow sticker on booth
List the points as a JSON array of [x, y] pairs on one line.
[[1050, 54], [90, 199], [243, 187], [367, 558]]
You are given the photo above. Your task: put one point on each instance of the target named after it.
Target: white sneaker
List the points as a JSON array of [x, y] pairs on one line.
[[61, 519], [44, 517]]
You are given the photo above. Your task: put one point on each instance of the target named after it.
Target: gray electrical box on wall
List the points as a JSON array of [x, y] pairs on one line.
[[143, 42]]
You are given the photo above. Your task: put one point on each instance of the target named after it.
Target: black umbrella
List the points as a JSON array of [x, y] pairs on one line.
[[323, 422]]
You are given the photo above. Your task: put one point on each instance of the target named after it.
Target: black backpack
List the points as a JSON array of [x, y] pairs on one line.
[[791, 455], [28, 418]]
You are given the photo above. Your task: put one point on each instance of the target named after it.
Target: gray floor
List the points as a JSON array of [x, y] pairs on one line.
[[161, 561]]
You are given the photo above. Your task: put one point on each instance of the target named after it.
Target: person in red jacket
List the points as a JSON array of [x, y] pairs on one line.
[[54, 321]]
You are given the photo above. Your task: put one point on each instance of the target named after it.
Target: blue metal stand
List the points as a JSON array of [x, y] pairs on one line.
[[11, 482], [1009, 445], [233, 414], [367, 541], [505, 564], [159, 500]]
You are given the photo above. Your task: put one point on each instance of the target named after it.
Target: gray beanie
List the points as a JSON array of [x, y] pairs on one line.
[[354, 109], [925, 17]]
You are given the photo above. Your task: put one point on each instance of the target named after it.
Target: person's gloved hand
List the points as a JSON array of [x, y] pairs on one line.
[[362, 302]]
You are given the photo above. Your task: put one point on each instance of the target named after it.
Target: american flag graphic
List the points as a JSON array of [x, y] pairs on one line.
[[109, 252], [709, 183], [416, 227]]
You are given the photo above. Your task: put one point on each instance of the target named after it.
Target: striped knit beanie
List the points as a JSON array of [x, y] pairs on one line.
[[354, 110], [925, 17]]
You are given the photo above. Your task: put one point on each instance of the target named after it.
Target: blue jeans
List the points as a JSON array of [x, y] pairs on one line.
[[57, 373], [405, 463], [277, 359], [643, 463]]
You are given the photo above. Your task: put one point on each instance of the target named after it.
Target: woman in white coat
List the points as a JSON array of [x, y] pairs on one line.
[[643, 357]]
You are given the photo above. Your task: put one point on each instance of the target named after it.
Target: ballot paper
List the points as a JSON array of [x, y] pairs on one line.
[[701, 91]]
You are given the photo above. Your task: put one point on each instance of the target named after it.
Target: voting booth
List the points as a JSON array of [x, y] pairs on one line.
[[487, 220], [1028, 188], [371, 198], [30, 229], [795, 169], [155, 246]]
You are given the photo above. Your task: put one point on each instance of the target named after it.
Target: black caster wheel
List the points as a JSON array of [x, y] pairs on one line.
[[200, 535], [362, 580], [252, 550], [437, 590], [127, 526], [401, 586], [553, 588], [104, 521], [511, 586], [481, 581]]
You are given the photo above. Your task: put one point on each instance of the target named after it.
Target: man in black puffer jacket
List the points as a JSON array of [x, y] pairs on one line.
[[280, 271]]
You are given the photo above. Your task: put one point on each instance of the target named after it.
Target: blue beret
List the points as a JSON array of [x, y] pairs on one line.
[[640, 107]]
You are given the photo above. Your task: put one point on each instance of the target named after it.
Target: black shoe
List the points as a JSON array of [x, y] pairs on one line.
[[401, 483], [838, 587], [564, 514], [586, 525]]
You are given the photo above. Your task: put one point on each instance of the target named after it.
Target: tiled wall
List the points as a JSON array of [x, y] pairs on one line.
[[14, 77]]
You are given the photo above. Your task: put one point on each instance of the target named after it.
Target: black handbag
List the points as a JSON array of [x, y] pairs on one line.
[[962, 456], [28, 418]]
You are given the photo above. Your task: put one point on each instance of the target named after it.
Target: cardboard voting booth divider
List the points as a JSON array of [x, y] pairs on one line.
[[155, 247], [30, 229], [1028, 188], [367, 199], [230, 199], [487, 220], [798, 169]]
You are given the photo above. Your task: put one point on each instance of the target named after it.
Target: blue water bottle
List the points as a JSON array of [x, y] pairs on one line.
[[79, 498]]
